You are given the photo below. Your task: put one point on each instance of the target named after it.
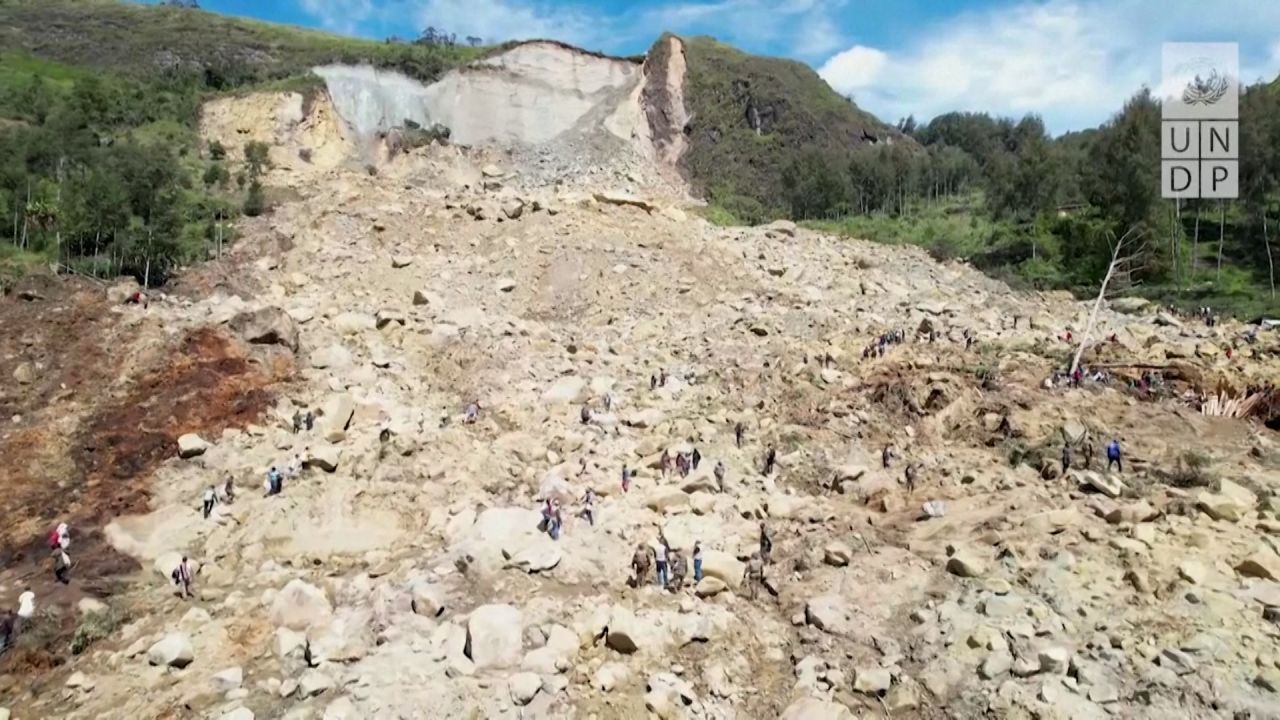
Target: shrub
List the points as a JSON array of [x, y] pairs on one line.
[[96, 626]]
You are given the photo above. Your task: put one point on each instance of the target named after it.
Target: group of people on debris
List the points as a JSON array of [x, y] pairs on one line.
[[671, 569], [1112, 450], [682, 462], [882, 343], [1077, 378]]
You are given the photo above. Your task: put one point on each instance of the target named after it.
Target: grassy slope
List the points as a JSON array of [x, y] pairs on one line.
[[730, 162], [150, 40]]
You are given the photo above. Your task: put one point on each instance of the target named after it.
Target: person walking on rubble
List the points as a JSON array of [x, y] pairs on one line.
[[183, 577], [696, 458], [886, 456], [697, 561], [1066, 457], [210, 497], [61, 566], [589, 507], [626, 479], [229, 490], [766, 544], [738, 433], [678, 570], [1113, 455], [640, 564], [755, 574], [719, 474], [770, 460], [660, 561], [911, 473]]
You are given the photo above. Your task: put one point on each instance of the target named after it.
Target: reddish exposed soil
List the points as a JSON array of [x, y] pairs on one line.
[[112, 394]]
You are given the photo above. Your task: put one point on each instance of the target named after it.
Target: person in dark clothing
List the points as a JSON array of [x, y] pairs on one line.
[[766, 544], [911, 475], [61, 566], [1088, 454], [1066, 458], [770, 460], [696, 458], [886, 456], [585, 415], [309, 420], [738, 432]]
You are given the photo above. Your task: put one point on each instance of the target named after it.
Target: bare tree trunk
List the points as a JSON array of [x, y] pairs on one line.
[[1271, 265], [1195, 244], [146, 273], [1222, 223], [1174, 233], [1116, 258]]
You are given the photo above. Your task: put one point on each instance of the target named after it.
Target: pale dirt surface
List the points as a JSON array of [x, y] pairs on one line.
[[416, 291]]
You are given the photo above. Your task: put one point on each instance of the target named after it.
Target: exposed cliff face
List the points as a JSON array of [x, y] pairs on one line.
[[527, 95], [663, 99]]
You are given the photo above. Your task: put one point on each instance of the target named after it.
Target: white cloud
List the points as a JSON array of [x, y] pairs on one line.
[[817, 35], [345, 16], [1072, 61], [497, 20], [855, 69]]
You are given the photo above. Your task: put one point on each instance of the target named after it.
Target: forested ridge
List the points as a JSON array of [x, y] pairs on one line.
[[101, 168], [1041, 210]]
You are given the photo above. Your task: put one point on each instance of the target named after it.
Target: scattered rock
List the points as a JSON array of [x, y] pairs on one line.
[[24, 374], [1261, 564], [1109, 485], [523, 687], [313, 682], [173, 650], [837, 554], [228, 679], [965, 564], [809, 708], [300, 605], [872, 681], [268, 326], [191, 445], [494, 636]]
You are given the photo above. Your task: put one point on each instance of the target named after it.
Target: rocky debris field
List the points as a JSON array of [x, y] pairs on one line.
[[401, 572]]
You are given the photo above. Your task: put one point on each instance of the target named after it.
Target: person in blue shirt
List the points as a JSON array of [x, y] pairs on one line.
[[1113, 455]]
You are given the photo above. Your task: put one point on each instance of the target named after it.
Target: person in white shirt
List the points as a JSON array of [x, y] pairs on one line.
[[210, 497]]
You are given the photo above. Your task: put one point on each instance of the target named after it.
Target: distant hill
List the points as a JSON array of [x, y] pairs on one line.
[[751, 116], [153, 40]]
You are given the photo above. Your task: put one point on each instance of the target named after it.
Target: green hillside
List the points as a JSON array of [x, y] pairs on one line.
[[101, 170], [226, 51], [754, 117]]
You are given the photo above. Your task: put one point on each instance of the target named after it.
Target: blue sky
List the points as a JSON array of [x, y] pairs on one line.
[[1072, 61]]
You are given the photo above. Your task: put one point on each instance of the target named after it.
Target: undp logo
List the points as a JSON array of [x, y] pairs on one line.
[[1200, 128]]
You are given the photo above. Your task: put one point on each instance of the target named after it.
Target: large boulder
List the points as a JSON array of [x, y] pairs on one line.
[[1261, 564], [268, 326], [830, 613], [568, 389], [191, 445], [325, 458], [495, 636], [300, 605], [1109, 485], [336, 416], [724, 567], [332, 357], [353, 323], [667, 500], [346, 637], [173, 650]]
